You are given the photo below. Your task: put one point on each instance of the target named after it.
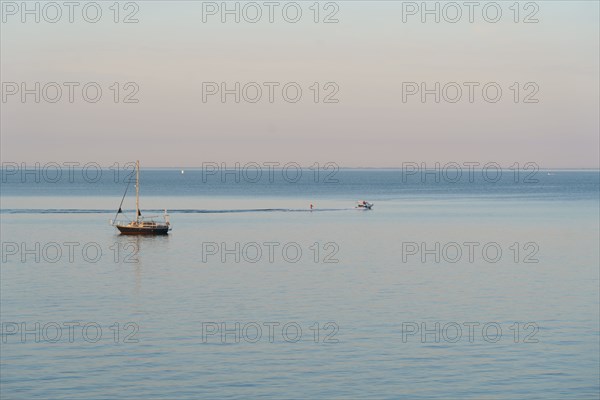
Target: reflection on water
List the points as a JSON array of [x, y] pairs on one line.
[[131, 252]]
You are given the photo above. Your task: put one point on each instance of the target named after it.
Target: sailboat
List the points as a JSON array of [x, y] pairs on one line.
[[141, 225]]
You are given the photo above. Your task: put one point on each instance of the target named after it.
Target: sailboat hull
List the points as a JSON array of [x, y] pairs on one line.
[[143, 230]]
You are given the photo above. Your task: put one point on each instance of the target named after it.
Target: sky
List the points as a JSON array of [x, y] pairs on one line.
[[361, 77]]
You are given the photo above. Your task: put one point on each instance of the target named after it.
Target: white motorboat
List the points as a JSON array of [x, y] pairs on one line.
[[364, 205]]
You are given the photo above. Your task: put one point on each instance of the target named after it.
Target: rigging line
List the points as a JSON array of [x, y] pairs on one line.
[[122, 199]]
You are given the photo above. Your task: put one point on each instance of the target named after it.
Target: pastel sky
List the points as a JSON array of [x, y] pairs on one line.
[[368, 55]]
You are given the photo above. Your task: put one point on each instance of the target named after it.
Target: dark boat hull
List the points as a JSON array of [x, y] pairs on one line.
[[138, 230]]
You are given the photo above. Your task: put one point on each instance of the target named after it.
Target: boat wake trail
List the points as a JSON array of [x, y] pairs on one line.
[[179, 211]]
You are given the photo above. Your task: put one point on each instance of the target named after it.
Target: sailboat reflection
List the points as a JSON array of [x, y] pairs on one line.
[[135, 249]]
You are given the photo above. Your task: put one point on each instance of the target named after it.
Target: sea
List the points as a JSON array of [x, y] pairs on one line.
[[458, 284]]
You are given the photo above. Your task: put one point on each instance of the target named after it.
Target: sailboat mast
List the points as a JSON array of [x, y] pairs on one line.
[[137, 191]]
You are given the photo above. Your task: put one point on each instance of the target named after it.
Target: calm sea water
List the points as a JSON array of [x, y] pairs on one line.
[[446, 289]]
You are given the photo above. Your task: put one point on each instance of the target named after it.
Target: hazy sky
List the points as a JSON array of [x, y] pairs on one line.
[[369, 55]]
